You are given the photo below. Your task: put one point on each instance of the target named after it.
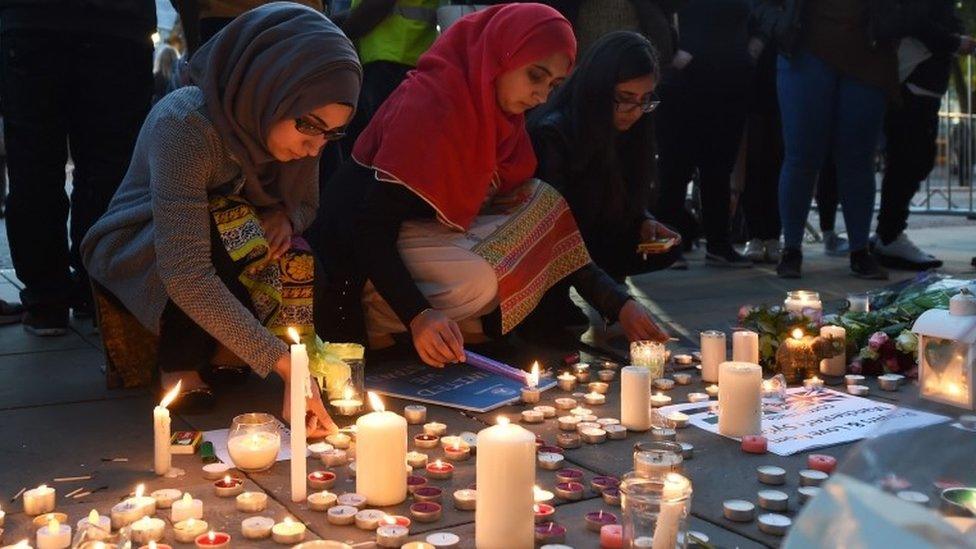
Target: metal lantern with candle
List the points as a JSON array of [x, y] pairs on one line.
[[947, 352], [799, 355]]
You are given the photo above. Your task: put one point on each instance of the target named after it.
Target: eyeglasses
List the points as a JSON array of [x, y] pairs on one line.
[[627, 106], [314, 130]]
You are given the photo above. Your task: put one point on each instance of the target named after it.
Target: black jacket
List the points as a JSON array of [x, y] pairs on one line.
[[131, 19]]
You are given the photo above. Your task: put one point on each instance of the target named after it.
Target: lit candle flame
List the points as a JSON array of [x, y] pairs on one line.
[[93, 518], [375, 402], [187, 498], [99, 545], [293, 334], [190, 522], [53, 526], [438, 464], [389, 520], [532, 378], [287, 521], [171, 395], [140, 489], [211, 536], [152, 544], [797, 333], [347, 394], [502, 420]]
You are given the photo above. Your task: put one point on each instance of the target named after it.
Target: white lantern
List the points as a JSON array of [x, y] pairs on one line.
[[947, 352]]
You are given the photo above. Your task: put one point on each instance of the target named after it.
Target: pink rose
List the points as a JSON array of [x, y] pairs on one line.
[[744, 311], [877, 340]]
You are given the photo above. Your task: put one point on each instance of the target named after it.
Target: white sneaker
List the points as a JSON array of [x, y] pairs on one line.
[[902, 253], [755, 250], [772, 250]]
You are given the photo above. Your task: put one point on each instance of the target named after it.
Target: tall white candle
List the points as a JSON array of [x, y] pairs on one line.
[[635, 398], [835, 366], [163, 459], [745, 346], [739, 399], [673, 503], [505, 475], [296, 401], [381, 452], [712, 353]]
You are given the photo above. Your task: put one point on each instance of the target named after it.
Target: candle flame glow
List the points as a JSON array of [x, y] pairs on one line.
[[93, 518], [293, 334], [152, 544], [187, 498], [375, 402], [171, 395], [140, 489], [532, 378], [389, 520], [53, 526], [211, 536], [347, 394], [502, 420], [287, 520], [797, 333]]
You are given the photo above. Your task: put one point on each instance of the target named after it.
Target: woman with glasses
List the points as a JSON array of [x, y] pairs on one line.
[[200, 243]]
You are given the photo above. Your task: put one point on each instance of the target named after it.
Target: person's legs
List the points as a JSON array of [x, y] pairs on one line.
[[675, 165], [827, 202], [807, 89], [111, 94], [764, 157], [34, 79]]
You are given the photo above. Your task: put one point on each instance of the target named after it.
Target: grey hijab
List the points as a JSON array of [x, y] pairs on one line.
[[279, 61]]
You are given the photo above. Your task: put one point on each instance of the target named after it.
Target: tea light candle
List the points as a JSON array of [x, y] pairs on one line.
[[341, 515], [185, 508], [687, 450], [582, 425], [146, 529], [663, 434], [415, 414], [774, 524], [543, 512], [601, 483], [664, 384], [428, 493], [771, 474], [740, 400], [822, 462], [435, 428], [615, 432], [745, 346], [348, 405], [913, 497], [568, 423], [334, 457], [699, 397], [853, 379], [354, 500], [606, 375], [54, 535], [186, 531], [339, 440], [321, 501], [612, 536], [288, 532], [570, 491], [595, 399], [598, 519], [773, 500], [568, 440], [416, 460], [682, 359], [593, 435], [215, 471], [566, 381], [96, 527], [369, 519], [611, 496], [423, 440], [414, 482], [569, 475], [548, 412], [682, 379], [811, 477], [549, 461], [126, 512], [635, 402], [738, 510], [321, 480], [889, 382], [754, 444], [814, 383], [316, 449], [582, 372], [542, 496], [440, 470], [391, 535], [257, 527], [565, 403], [426, 511], [465, 499], [678, 420], [533, 416], [443, 540], [858, 390], [549, 532], [713, 354], [459, 451], [807, 493], [228, 486], [40, 500], [211, 540], [531, 393], [659, 400], [251, 502], [598, 387]]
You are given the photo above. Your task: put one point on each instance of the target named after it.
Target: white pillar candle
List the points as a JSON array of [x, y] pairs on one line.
[[739, 399], [835, 366], [54, 536], [162, 458], [186, 508], [712, 354], [381, 454], [97, 527], [676, 489], [635, 398], [745, 346], [296, 400], [505, 474], [40, 500]]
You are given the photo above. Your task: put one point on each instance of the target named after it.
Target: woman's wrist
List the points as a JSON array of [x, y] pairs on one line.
[[283, 367]]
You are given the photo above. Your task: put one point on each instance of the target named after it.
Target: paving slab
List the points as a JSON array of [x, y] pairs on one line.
[[14, 340]]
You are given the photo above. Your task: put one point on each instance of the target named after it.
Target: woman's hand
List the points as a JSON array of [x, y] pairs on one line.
[[318, 421], [638, 324], [651, 230], [437, 338], [277, 230]]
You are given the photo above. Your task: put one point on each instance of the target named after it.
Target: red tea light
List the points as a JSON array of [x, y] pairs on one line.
[[550, 450], [754, 444], [543, 512], [821, 462], [611, 496], [612, 537], [457, 452], [400, 520], [570, 491], [414, 482], [599, 484], [425, 440], [598, 519], [228, 486], [549, 532], [428, 493], [569, 475], [426, 511], [439, 470], [321, 480], [569, 440], [213, 539]]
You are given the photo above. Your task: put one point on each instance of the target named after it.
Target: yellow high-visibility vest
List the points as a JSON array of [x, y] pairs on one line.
[[403, 36]]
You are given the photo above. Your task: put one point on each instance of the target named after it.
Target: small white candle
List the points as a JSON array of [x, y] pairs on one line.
[[531, 393], [659, 400], [635, 398], [381, 472], [369, 519], [54, 536], [40, 500], [147, 529], [813, 383], [348, 405], [165, 497], [391, 534], [162, 458], [712, 390], [698, 397], [505, 474], [186, 531], [415, 414], [251, 502], [299, 390], [339, 440], [712, 354], [835, 366], [740, 399], [435, 428], [595, 399], [288, 532], [257, 527], [186, 508], [97, 527], [745, 346]]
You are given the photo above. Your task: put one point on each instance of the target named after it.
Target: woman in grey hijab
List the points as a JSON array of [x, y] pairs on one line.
[[200, 241]]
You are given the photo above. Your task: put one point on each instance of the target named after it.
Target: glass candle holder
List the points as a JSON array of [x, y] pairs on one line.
[[655, 459], [650, 355], [804, 303], [348, 399], [655, 511], [858, 303], [254, 441]]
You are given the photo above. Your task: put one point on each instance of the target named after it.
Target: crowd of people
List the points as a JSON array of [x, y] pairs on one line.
[[403, 172]]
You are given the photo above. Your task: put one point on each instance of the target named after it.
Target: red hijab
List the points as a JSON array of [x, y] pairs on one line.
[[442, 133]]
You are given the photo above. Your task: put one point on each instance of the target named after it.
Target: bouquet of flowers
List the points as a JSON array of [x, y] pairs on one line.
[[888, 355]]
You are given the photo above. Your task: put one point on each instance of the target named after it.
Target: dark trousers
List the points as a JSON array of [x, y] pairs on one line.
[[827, 197], [910, 133], [764, 157], [698, 128], [91, 92]]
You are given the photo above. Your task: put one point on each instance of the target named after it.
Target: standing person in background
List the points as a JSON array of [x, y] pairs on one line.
[[700, 121], [835, 72], [204, 18], [934, 35], [827, 202], [78, 72], [164, 72]]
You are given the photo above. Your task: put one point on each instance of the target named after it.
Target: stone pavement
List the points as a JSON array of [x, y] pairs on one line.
[[58, 419]]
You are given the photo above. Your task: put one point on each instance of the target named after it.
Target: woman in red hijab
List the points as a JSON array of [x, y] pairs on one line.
[[438, 211]]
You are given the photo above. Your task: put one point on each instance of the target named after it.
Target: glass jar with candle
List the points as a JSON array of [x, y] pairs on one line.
[[347, 399], [655, 511], [804, 303], [654, 459], [650, 355], [254, 441]]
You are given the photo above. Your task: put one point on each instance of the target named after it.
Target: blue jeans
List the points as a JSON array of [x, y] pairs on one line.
[[823, 110]]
